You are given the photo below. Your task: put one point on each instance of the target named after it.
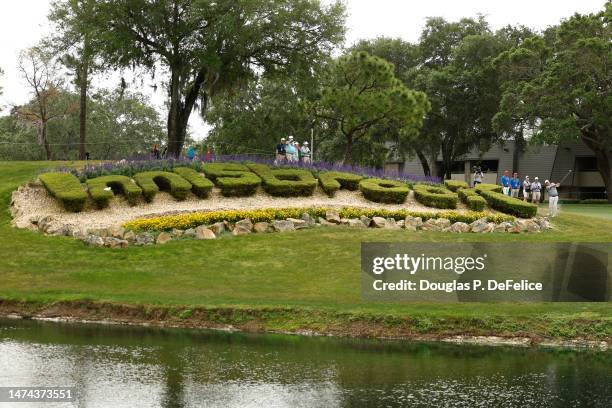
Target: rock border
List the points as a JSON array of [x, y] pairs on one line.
[[118, 237]]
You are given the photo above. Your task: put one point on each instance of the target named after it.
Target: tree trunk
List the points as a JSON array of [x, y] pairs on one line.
[[604, 158], [424, 163], [519, 148], [83, 110], [44, 141], [348, 151]]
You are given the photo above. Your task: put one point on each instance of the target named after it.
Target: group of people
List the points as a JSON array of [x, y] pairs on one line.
[[290, 151], [532, 190]]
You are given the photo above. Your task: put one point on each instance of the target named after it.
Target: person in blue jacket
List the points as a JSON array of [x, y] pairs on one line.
[[505, 182], [515, 185]]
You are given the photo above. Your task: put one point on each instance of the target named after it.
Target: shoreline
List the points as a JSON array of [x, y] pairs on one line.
[[250, 320]]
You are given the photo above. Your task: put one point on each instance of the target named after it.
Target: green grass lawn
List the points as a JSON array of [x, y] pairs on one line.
[[310, 269], [592, 210]]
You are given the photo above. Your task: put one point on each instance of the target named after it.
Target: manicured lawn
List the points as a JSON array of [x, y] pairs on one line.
[[592, 210], [312, 269]]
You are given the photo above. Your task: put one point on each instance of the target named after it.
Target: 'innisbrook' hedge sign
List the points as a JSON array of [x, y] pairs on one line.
[[235, 179]]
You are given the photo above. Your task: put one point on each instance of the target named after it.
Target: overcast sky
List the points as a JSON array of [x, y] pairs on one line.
[[23, 23]]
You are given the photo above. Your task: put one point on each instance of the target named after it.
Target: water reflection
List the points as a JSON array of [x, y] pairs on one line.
[[143, 367]]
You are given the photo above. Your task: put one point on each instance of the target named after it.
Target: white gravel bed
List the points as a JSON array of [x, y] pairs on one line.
[[32, 202]]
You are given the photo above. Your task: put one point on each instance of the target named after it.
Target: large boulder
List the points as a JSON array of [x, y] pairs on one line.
[[45, 222], [177, 233], [503, 226], [146, 238], [245, 224], [391, 223], [308, 219], [365, 220], [355, 223], [190, 232], [324, 222], [481, 225], [101, 232], [459, 227], [261, 227], [412, 223], [163, 238], [435, 224], [202, 232], [379, 222], [116, 231], [218, 227], [332, 216], [543, 223], [240, 230], [94, 240], [282, 226], [111, 242], [298, 223], [130, 236]]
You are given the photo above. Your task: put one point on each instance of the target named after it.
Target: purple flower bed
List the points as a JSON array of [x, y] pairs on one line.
[[136, 165]]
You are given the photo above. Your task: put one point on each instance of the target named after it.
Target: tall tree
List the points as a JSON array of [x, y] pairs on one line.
[[73, 39], [560, 86], [361, 92], [42, 75], [209, 45]]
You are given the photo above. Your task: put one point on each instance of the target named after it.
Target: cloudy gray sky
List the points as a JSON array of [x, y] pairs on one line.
[[23, 23]]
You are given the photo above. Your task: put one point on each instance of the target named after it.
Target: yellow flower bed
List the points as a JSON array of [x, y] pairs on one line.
[[192, 220]]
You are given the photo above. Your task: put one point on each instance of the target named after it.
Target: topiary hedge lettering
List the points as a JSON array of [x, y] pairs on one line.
[[332, 181], [153, 181], [285, 182], [471, 198], [66, 188], [384, 191], [438, 197], [200, 185], [455, 185], [118, 185], [234, 180], [504, 203]]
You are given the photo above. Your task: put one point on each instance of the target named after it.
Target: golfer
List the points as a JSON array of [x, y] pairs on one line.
[[526, 188], [553, 197], [536, 188]]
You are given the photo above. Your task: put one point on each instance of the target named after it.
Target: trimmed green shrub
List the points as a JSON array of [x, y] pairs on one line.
[[471, 198], [153, 181], [200, 185], [234, 179], [432, 196], [454, 185], [506, 204], [489, 187], [118, 184], [384, 191], [332, 181], [594, 201], [285, 182], [66, 188]]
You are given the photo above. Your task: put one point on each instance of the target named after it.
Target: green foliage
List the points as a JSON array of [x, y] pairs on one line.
[[438, 197], [384, 191], [360, 92], [66, 188], [285, 182], [233, 179], [118, 184], [200, 185], [153, 181], [506, 204], [332, 181], [489, 187], [471, 198], [454, 185]]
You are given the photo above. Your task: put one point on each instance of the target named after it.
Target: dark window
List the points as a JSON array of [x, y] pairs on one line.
[[486, 165], [586, 163]]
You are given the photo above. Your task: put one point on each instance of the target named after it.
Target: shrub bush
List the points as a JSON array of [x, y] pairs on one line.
[[384, 191], [118, 184], [506, 204], [285, 182], [184, 221], [234, 179], [594, 201], [153, 181], [438, 197], [200, 185], [66, 188], [332, 181], [454, 185], [471, 198], [488, 187]]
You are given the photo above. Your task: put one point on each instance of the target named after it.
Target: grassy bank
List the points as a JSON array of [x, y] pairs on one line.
[[304, 280]]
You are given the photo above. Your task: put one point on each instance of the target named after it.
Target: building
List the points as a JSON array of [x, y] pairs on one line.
[[548, 162]]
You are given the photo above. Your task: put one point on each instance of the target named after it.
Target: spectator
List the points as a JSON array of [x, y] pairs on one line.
[[515, 185], [505, 182], [526, 188], [280, 151], [553, 197], [208, 156], [478, 176], [305, 153], [536, 188], [298, 151], [291, 151], [155, 151], [191, 153]]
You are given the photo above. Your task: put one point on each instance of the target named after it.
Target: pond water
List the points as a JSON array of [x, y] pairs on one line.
[[116, 366]]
